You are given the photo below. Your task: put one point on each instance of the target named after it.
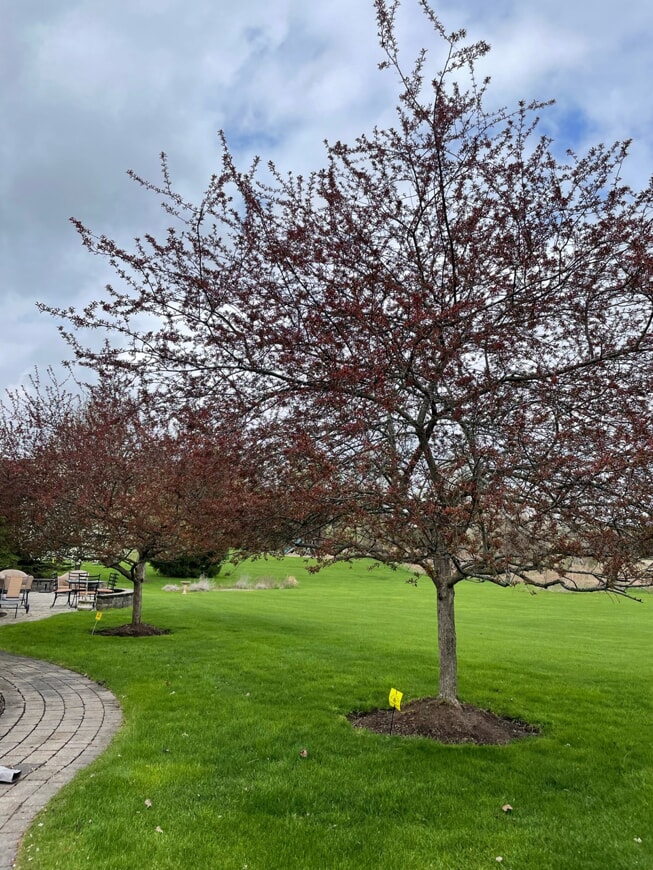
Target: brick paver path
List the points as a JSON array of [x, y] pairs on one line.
[[55, 723]]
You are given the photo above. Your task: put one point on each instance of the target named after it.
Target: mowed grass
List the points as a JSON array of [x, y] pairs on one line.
[[217, 713]]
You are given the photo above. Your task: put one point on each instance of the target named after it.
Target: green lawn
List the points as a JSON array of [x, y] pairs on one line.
[[217, 713]]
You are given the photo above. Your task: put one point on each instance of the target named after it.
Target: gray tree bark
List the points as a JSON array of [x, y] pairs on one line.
[[137, 607], [448, 683]]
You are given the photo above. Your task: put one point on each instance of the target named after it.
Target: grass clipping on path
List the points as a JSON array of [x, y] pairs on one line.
[[446, 723]]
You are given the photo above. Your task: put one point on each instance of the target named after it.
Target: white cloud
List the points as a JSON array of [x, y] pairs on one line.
[[92, 89]]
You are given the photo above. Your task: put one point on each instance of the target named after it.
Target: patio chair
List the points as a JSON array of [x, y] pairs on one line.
[[25, 589], [87, 591], [12, 596], [109, 584], [64, 588]]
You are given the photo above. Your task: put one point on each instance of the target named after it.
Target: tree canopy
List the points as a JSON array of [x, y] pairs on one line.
[[448, 326], [95, 475]]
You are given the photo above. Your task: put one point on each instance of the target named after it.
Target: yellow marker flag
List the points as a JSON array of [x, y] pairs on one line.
[[98, 615], [395, 699]]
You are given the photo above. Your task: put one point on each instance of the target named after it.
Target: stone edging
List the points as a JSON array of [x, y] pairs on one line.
[[116, 598]]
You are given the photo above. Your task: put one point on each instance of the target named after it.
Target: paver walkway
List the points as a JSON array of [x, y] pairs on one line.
[[54, 724]]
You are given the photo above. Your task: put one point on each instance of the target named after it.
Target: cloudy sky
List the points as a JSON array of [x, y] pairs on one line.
[[92, 88]]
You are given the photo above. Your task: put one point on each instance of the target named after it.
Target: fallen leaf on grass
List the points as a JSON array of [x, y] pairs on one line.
[[148, 802], [304, 753], [506, 808], [159, 829]]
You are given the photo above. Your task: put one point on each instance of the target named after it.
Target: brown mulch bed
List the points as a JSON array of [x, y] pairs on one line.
[[446, 723], [142, 630]]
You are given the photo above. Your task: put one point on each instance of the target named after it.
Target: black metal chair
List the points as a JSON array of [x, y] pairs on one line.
[[87, 591], [64, 588]]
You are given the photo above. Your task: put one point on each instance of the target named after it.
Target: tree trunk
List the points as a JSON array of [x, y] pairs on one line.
[[446, 635], [138, 578]]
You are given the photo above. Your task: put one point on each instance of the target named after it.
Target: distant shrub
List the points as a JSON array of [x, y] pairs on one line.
[[192, 567]]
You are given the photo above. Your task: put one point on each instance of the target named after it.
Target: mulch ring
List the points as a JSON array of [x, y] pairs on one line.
[[446, 723], [143, 629]]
